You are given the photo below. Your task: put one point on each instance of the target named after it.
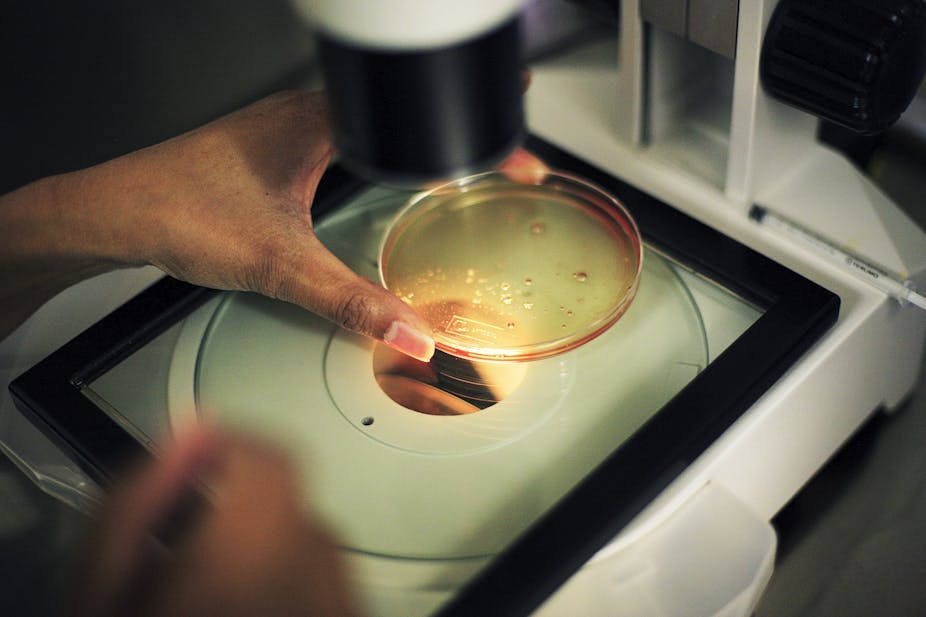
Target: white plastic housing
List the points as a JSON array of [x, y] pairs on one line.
[[406, 24]]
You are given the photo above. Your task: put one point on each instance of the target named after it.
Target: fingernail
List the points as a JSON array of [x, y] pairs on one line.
[[409, 341]]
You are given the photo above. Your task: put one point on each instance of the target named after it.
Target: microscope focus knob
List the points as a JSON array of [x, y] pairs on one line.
[[857, 63]]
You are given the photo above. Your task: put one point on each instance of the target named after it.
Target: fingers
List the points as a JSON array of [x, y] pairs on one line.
[[324, 285], [146, 502], [522, 166], [526, 78], [238, 217], [121, 549], [259, 551]]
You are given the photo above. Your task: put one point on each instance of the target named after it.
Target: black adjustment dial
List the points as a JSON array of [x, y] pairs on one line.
[[857, 63]]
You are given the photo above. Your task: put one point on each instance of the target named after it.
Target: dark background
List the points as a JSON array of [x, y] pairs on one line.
[[83, 82]]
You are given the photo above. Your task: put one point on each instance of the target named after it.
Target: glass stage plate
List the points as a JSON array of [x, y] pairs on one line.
[[437, 493], [423, 501]]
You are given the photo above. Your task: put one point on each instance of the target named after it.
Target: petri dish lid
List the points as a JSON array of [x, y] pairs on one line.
[[506, 270]]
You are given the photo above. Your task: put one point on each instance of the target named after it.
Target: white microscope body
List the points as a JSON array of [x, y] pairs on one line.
[[697, 130], [674, 105]]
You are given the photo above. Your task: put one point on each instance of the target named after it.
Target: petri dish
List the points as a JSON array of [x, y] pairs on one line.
[[506, 270]]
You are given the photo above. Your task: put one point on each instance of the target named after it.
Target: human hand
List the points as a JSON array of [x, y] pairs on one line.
[[228, 206], [254, 551]]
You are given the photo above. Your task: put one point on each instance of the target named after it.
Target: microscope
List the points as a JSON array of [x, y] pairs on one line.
[[714, 107], [431, 90], [420, 91], [638, 473]]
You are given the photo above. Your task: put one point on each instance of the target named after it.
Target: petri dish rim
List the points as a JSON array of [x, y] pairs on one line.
[[592, 200]]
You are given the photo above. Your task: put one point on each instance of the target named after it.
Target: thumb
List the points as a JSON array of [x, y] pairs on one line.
[[329, 288]]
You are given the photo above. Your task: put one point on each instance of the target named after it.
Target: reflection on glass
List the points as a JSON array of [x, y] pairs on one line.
[[445, 386]]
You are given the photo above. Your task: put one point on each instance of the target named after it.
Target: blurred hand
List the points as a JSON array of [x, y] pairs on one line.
[[254, 552]]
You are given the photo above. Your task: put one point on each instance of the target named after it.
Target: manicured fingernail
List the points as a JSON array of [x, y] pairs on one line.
[[409, 341]]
